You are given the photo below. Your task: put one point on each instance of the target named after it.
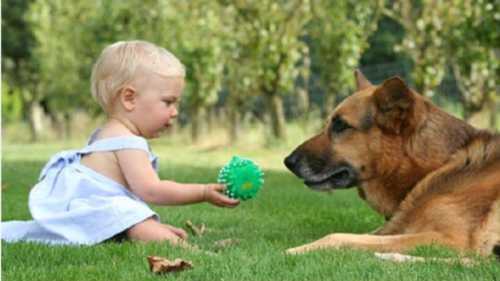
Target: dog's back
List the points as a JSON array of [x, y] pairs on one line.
[[461, 200]]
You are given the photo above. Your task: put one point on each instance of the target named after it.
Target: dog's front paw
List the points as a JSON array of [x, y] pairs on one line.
[[299, 250], [293, 251], [332, 241]]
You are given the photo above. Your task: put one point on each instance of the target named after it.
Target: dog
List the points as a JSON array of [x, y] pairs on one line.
[[435, 178]]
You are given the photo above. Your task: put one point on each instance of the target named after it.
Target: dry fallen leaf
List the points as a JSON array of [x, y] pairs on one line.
[[196, 230], [161, 265]]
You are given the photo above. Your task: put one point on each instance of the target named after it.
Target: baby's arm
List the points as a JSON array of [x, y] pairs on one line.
[[145, 183]]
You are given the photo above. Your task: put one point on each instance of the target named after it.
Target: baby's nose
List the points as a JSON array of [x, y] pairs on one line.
[[174, 113]]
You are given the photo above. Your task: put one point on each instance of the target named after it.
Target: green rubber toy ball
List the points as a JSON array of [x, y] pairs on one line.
[[242, 177]]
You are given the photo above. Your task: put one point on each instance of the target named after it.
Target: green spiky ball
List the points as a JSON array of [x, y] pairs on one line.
[[242, 177]]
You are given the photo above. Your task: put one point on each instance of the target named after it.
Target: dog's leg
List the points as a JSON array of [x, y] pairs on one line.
[[379, 243], [400, 258]]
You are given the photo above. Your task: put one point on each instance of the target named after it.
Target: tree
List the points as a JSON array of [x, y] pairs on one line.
[[268, 36], [61, 87], [339, 33], [471, 53], [240, 75], [241, 83], [190, 30], [19, 64], [197, 40], [69, 53], [426, 24], [381, 44]]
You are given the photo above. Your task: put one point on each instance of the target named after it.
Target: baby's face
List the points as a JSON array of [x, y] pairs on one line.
[[158, 98]]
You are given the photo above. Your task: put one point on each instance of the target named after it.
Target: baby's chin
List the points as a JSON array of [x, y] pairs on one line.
[[153, 135], [163, 131]]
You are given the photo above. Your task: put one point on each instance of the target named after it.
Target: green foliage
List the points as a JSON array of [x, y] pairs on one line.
[[12, 104], [188, 29], [20, 67], [338, 36], [381, 44], [471, 52], [426, 23], [265, 53], [267, 32], [200, 46], [250, 51], [17, 42], [59, 81]]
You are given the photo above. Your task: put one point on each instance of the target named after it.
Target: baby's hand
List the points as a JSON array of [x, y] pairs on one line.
[[179, 232], [212, 194]]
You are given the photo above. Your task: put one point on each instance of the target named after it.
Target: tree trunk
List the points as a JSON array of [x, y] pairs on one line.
[[234, 124], [211, 119], [67, 126], [56, 125], [303, 108], [35, 119], [195, 124], [277, 116], [303, 102]]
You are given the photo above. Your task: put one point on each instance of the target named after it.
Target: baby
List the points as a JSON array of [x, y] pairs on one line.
[[90, 195]]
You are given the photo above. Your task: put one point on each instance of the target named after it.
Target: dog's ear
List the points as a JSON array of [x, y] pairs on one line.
[[361, 81], [393, 100]]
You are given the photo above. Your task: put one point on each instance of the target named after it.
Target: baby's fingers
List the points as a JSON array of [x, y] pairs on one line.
[[228, 202], [181, 233]]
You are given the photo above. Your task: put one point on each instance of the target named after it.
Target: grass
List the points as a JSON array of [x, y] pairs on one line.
[[285, 214]]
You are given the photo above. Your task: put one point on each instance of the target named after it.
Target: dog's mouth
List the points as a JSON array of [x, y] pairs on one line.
[[338, 178]]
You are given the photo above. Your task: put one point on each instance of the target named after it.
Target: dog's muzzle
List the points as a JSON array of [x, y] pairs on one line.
[[324, 176]]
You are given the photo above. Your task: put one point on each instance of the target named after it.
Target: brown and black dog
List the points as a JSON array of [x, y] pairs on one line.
[[434, 177]]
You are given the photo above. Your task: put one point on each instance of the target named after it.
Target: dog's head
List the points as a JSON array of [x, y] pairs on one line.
[[363, 138]]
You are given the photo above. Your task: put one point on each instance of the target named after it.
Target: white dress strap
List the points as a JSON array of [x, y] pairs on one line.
[[116, 143]]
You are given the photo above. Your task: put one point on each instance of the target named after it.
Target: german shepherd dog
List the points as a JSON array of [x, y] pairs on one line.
[[435, 178]]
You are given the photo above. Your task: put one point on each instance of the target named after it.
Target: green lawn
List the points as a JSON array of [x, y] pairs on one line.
[[284, 214]]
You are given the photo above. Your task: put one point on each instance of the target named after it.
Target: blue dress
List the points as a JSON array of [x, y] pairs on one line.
[[73, 204]]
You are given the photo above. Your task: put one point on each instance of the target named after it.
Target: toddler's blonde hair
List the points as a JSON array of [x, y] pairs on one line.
[[118, 65]]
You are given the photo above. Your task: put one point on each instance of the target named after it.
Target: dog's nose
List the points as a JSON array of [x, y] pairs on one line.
[[291, 161]]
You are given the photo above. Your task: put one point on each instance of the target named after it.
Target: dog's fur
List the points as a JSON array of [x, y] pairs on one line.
[[435, 178]]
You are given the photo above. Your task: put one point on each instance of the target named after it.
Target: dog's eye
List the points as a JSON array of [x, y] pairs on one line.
[[339, 125]]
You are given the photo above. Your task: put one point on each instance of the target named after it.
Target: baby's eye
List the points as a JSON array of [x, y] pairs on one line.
[[169, 102]]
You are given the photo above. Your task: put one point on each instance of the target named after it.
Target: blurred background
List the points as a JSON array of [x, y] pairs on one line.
[[262, 72]]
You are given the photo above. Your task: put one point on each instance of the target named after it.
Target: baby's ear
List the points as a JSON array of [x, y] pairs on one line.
[[127, 98]]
